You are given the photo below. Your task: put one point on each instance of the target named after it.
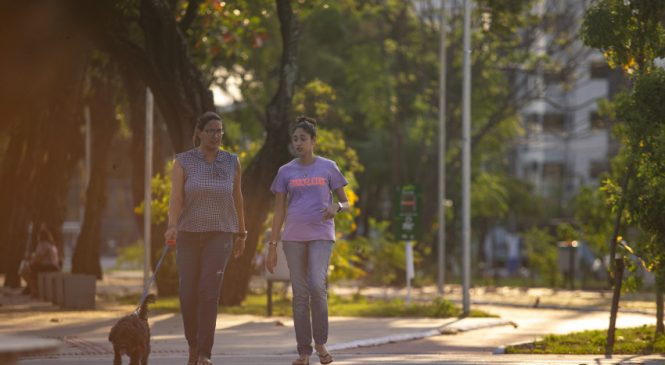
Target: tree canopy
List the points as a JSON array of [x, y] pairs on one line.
[[367, 70]]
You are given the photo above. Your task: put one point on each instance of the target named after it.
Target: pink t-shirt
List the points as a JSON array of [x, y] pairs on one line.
[[309, 192]]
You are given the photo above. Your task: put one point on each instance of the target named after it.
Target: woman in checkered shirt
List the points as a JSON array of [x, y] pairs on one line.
[[206, 224]]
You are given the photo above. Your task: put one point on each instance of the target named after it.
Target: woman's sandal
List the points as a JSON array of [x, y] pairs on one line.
[[301, 360], [325, 358]]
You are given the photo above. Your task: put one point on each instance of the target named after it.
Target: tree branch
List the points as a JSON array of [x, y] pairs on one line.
[[190, 14]]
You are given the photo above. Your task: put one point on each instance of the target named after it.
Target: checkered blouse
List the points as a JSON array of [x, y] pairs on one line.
[[208, 192]]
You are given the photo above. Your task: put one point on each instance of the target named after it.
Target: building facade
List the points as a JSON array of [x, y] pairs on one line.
[[567, 144]]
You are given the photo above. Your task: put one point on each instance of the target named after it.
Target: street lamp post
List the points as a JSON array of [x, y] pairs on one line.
[[149, 104], [442, 155], [466, 160]]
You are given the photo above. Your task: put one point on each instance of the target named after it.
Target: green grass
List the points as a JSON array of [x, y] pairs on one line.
[[635, 340], [358, 306]]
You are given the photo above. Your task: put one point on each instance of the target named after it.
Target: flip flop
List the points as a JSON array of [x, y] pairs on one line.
[[301, 360], [325, 358]]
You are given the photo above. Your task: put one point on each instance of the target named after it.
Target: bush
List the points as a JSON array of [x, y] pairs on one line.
[[130, 257], [541, 251], [385, 261]]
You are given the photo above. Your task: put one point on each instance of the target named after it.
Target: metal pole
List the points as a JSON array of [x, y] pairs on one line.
[[466, 159], [147, 188], [269, 293], [408, 247], [442, 155], [571, 262]]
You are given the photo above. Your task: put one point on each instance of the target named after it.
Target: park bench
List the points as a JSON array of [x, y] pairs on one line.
[[281, 273], [69, 291]]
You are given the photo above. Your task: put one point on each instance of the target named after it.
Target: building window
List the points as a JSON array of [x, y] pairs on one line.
[[599, 70], [554, 123], [596, 121], [531, 123], [554, 78], [552, 170]]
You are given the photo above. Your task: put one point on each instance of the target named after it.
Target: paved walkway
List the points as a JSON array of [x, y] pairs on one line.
[[245, 339]]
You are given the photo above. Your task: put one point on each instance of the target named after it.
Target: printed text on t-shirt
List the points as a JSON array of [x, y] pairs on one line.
[[308, 181]]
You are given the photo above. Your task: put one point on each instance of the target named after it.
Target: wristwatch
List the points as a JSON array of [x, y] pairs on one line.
[[273, 243], [339, 207], [242, 234]]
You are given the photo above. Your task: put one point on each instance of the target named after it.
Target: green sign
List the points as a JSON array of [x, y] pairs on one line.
[[407, 213]]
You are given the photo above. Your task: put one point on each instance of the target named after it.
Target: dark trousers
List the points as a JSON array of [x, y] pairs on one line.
[[201, 259]]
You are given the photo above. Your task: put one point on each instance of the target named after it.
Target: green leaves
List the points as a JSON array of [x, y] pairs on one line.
[[606, 27], [629, 33], [161, 190], [649, 98], [541, 252], [490, 196], [225, 32]]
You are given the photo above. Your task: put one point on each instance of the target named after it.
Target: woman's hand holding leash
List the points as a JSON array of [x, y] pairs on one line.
[[170, 235]]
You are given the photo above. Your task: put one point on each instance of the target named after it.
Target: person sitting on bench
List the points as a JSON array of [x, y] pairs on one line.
[[44, 259]]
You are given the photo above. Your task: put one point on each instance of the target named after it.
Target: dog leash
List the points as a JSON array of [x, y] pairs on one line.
[[154, 274]]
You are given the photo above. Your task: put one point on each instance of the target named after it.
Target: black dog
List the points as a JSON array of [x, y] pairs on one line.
[[131, 336]]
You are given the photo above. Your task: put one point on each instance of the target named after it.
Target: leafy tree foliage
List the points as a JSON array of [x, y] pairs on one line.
[[631, 35]]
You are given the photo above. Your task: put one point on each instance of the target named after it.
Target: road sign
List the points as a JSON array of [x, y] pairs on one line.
[[407, 215]]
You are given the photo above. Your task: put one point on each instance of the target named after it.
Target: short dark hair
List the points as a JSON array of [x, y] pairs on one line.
[[201, 122], [307, 124]]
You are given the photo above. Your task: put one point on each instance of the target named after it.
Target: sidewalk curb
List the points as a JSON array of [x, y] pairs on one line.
[[562, 307], [443, 330], [501, 350], [470, 327]]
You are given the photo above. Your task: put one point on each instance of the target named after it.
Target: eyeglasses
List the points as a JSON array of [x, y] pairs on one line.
[[214, 132]]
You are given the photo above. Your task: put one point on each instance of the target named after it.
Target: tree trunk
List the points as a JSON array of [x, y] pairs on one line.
[[619, 212], [616, 296], [14, 190], [61, 155], [660, 328], [35, 177], [263, 168], [161, 59], [39, 97], [179, 88], [135, 90], [103, 127], [181, 94]]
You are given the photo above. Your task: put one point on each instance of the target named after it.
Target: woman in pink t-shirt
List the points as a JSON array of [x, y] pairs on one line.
[[45, 258], [303, 191]]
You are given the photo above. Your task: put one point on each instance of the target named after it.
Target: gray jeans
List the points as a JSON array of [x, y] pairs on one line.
[[201, 258], [308, 266]]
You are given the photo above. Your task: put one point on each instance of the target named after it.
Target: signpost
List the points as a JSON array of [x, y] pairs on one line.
[[409, 200], [407, 226]]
